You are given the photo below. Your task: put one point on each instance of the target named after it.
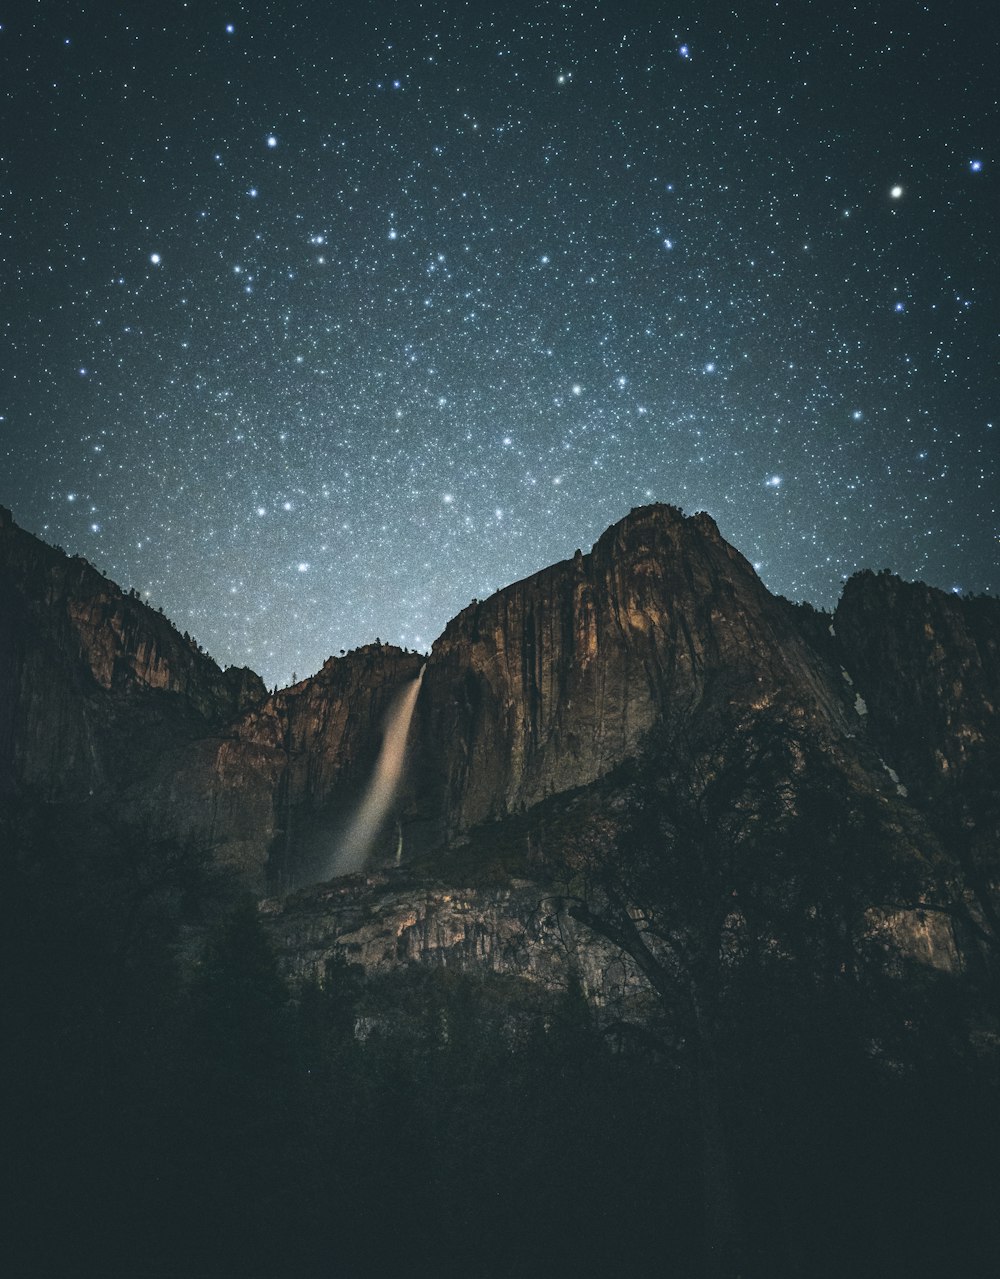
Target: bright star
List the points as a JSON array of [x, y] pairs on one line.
[[155, 259], [272, 141], [896, 192], [976, 166]]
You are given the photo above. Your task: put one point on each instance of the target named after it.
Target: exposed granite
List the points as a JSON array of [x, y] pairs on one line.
[[554, 681]]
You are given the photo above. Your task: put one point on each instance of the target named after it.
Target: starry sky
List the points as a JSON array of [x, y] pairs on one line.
[[317, 321]]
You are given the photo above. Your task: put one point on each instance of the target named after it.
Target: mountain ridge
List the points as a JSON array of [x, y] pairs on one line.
[[662, 632]]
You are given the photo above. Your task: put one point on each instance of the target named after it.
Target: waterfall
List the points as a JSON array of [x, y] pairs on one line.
[[356, 844]]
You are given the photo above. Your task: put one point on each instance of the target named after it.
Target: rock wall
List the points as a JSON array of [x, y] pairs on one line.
[[103, 702], [386, 921], [554, 681]]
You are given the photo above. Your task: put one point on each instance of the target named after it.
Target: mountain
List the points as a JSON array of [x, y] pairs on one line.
[[677, 947], [659, 649]]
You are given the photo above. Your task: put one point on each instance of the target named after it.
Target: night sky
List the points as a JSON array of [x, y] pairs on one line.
[[318, 320]]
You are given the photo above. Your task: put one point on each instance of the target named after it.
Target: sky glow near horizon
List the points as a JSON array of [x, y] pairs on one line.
[[314, 330]]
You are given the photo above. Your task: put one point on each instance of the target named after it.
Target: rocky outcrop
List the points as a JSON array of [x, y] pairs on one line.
[[386, 920]]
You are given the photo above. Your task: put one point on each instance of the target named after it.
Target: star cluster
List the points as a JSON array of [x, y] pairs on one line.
[[320, 321]]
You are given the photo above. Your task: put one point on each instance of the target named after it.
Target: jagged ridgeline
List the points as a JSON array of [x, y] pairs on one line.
[[661, 644], [649, 912]]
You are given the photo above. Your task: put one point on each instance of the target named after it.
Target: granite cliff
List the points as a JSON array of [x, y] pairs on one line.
[[554, 681]]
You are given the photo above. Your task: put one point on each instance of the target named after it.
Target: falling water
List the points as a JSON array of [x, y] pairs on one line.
[[357, 842]]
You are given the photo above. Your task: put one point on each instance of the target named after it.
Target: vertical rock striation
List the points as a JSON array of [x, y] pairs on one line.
[[554, 681]]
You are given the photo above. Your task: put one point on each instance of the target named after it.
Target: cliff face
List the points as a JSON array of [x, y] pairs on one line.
[[267, 792], [520, 930], [103, 702], [93, 683], [554, 681], [306, 753]]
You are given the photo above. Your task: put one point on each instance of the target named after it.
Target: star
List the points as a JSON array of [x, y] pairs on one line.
[[463, 284]]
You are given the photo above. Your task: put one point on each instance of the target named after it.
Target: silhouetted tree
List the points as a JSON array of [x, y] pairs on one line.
[[744, 869]]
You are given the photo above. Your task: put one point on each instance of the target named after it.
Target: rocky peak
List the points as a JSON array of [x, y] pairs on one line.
[[555, 680]]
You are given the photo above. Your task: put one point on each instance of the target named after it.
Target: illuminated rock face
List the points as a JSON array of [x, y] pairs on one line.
[[384, 921], [554, 681]]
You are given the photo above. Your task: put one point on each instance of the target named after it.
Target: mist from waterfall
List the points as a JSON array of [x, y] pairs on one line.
[[356, 844]]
